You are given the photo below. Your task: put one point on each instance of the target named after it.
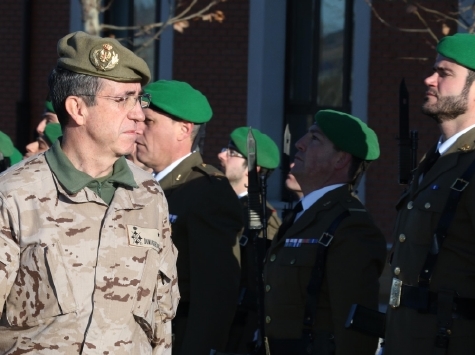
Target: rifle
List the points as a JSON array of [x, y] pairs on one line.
[[407, 140]]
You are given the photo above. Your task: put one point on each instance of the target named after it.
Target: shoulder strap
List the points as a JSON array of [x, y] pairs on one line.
[[318, 271], [445, 220]]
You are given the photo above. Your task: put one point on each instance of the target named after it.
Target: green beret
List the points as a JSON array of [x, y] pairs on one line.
[[52, 132], [6, 145], [179, 99], [49, 107], [267, 152], [460, 48], [349, 134], [82, 53], [16, 157]]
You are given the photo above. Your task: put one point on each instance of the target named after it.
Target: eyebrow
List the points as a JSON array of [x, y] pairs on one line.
[[441, 68]]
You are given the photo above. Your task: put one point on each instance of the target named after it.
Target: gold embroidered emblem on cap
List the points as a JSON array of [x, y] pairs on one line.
[[144, 237], [104, 58]]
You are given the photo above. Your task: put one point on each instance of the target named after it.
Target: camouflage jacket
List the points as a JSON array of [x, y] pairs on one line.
[[79, 276]]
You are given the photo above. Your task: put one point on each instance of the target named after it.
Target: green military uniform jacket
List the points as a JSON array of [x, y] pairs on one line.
[[206, 221], [355, 260], [419, 209], [246, 318]]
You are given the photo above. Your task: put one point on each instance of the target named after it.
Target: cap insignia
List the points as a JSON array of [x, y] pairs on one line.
[[104, 58]]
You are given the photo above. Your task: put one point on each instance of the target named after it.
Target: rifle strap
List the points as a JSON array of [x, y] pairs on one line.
[[318, 271]]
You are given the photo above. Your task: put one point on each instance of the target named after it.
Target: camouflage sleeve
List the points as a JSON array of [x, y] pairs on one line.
[[168, 294], [9, 254]]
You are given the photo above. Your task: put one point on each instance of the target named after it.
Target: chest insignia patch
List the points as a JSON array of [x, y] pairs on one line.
[[144, 237], [296, 243], [172, 218]]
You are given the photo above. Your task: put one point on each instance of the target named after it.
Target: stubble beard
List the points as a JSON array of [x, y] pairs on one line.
[[447, 108]]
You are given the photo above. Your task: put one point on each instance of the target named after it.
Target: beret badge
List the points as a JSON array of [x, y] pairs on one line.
[[104, 58]]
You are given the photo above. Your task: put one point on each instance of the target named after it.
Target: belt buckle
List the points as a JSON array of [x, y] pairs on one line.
[[243, 240], [395, 294], [459, 185]]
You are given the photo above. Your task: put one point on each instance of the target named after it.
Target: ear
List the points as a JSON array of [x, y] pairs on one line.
[[77, 109], [185, 130], [343, 160]]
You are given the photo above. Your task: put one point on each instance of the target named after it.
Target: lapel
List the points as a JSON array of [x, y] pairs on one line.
[[180, 173], [447, 161], [325, 203]]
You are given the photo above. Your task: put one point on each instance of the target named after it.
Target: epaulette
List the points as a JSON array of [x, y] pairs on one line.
[[209, 170]]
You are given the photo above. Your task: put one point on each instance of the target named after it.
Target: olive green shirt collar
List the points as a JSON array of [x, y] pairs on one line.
[[74, 180]]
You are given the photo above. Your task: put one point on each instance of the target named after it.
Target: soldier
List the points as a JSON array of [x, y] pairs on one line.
[[205, 215], [87, 264], [234, 164], [49, 116], [432, 304], [328, 254]]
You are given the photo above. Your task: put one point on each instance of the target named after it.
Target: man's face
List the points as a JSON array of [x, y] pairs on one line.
[[292, 184], [315, 160], [112, 122], [447, 95], [48, 117], [233, 165], [36, 147], [157, 140]]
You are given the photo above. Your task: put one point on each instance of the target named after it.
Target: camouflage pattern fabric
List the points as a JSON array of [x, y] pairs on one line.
[[79, 276]]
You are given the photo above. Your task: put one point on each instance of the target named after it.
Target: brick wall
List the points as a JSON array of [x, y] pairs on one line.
[[388, 67], [212, 57], [49, 22]]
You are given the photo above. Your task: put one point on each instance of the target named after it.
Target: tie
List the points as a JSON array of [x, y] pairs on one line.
[[289, 219], [430, 162]]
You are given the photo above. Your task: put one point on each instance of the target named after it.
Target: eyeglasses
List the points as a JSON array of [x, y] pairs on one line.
[[128, 102], [232, 153]]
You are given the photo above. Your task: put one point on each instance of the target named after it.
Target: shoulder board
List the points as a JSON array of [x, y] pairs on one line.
[[209, 170]]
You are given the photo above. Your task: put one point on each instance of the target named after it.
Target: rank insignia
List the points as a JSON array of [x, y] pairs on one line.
[[464, 148], [104, 58], [144, 237]]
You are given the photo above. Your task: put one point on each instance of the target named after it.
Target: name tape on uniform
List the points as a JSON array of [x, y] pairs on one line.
[[295, 243], [144, 237]]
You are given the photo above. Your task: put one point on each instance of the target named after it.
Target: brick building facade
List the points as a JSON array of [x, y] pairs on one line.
[[228, 61]]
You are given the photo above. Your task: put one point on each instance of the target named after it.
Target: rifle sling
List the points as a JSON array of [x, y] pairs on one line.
[[318, 272]]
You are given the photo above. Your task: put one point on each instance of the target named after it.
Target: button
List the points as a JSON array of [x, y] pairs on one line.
[[268, 319], [427, 205], [272, 257], [397, 271], [402, 238], [409, 205], [267, 288], [292, 262]]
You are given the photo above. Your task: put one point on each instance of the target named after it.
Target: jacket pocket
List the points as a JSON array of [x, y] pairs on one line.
[[42, 288]]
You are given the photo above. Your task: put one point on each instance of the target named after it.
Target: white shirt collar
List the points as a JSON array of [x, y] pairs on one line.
[[442, 147], [159, 176], [314, 196]]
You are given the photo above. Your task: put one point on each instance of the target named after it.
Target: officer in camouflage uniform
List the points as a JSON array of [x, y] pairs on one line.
[[432, 306], [87, 264], [332, 240], [234, 164], [205, 216]]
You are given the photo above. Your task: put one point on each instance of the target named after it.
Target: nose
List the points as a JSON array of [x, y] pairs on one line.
[[136, 114], [300, 144], [431, 80], [222, 156], [140, 128]]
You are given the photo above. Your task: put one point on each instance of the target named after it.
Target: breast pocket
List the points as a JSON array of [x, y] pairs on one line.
[[42, 288], [297, 264]]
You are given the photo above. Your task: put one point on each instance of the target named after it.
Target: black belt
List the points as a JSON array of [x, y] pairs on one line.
[[425, 301]]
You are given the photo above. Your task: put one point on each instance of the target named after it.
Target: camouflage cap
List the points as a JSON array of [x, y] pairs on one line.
[[267, 152], [52, 132], [82, 53], [179, 99], [460, 48], [349, 134]]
